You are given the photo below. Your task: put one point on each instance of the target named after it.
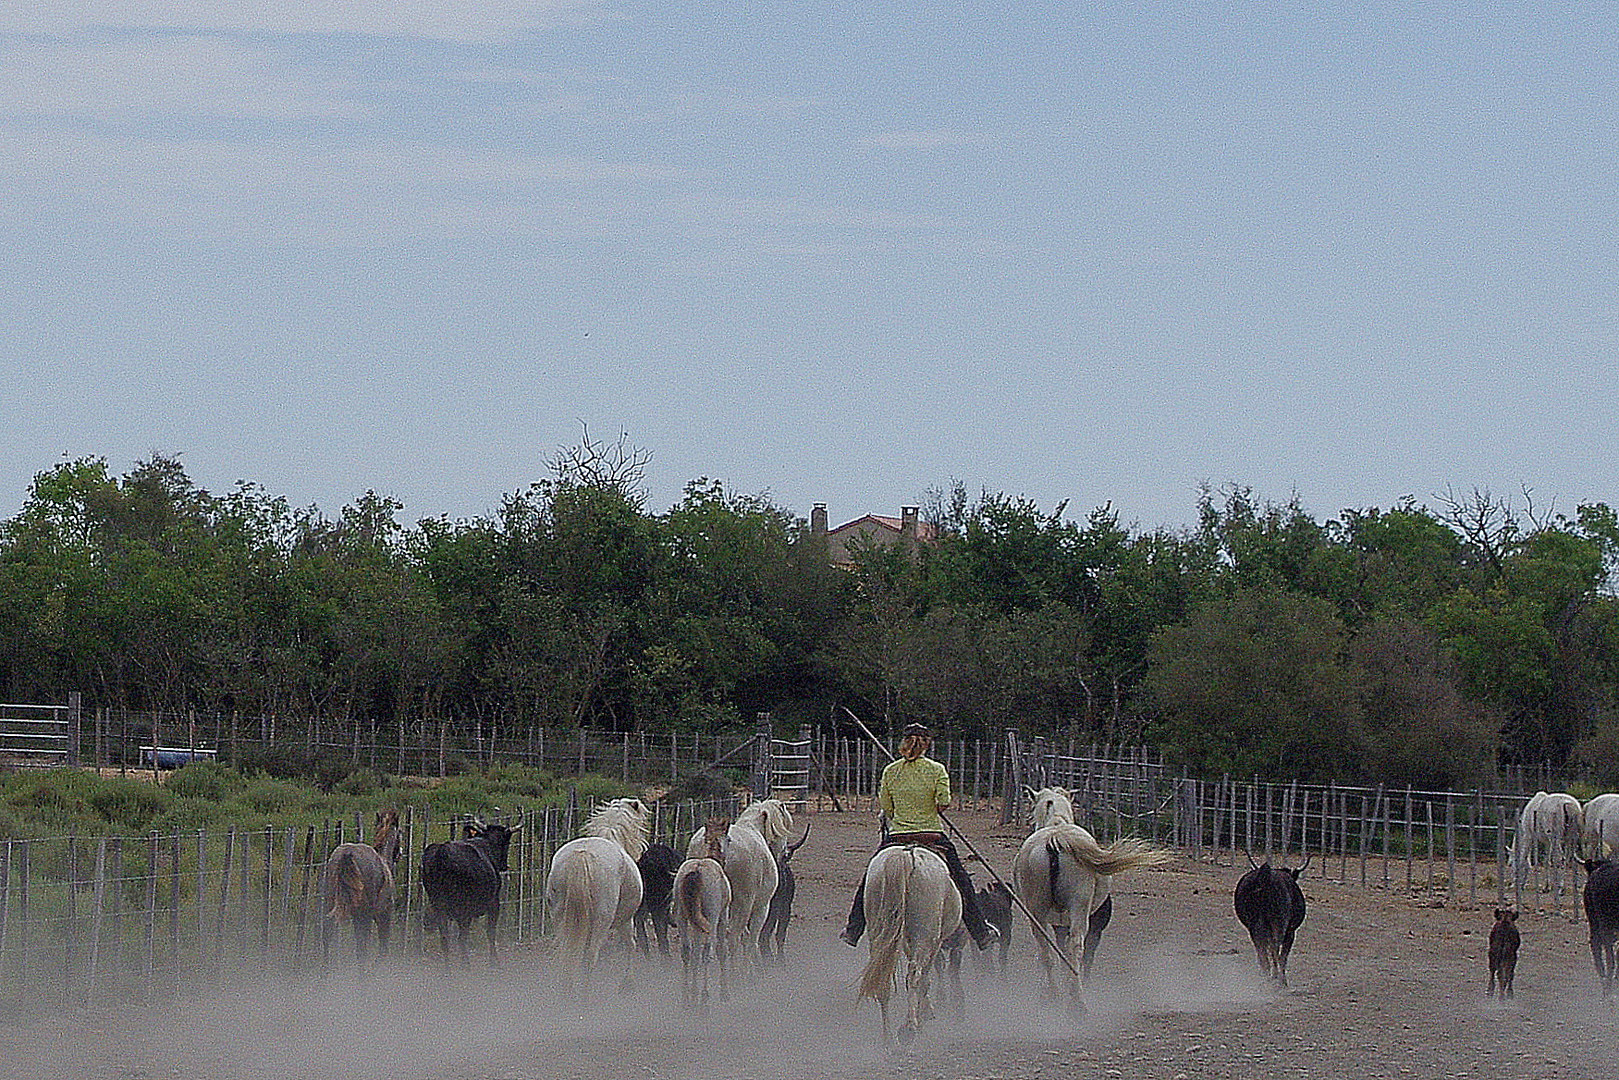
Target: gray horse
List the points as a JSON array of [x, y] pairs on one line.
[[358, 886]]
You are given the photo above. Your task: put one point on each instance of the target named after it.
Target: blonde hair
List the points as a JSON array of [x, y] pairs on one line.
[[914, 746]]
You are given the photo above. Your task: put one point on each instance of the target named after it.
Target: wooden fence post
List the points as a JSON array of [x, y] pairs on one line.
[[95, 922], [149, 965], [174, 904]]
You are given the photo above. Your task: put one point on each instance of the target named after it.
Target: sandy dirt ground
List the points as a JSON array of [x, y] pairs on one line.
[[1385, 983]]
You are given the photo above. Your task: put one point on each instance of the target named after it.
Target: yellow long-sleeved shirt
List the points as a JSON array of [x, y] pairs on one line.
[[912, 793]]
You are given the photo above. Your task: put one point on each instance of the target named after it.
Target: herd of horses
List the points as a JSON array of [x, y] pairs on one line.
[[731, 891]]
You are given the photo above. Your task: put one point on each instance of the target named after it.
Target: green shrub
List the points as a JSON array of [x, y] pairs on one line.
[[206, 780], [702, 784], [361, 782], [267, 795], [187, 814], [128, 805], [522, 781], [11, 826], [593, 788]]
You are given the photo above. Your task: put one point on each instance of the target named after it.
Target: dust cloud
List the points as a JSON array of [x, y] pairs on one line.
[[1384, 984]]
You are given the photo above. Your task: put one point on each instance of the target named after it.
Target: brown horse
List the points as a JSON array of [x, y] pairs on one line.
[[358, 886]]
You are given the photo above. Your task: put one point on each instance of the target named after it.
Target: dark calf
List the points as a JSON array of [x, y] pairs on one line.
[[995, 902], [1270, 905], [1504, 939], [781, 903], [1602, 912], [658, 865]]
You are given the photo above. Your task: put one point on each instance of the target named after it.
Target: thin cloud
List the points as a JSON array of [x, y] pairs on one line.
[[446, 20], [335, 193], [189, 75]]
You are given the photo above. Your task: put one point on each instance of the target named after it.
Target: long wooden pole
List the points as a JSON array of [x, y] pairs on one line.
[[1035, 924]]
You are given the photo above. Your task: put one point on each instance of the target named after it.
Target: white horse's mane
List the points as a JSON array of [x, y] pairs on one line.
[[770, 818], [622, 821], [1050, 805]]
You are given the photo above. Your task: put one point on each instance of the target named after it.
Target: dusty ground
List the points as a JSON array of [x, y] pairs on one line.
[[1384, 985]]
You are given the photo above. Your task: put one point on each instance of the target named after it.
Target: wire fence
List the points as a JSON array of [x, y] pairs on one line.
[[95, 919], [87, 918]]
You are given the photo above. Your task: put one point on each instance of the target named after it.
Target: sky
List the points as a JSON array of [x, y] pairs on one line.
[[838, 253]]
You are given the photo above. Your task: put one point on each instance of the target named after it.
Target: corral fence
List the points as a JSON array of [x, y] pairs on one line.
[[435, 747], [1454, 847], [98, 919], [40, 736], [822, 765]]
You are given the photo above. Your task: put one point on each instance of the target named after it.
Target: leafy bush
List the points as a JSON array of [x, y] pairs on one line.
[[187, 814], [361, 782], [54, 802], [206, 780], [267, 795], [128, 804], [295, 763], [521, 781], [593, 788], [702, 784]]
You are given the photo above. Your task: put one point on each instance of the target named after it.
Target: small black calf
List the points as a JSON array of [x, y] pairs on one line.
[[462, 881], [1602, 912], [1504, 939], [658, 865], [1270, 905], [995, 901], [781, 903]]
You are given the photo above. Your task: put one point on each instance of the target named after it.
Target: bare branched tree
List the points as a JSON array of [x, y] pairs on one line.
[[1488, 523], [596, 463]]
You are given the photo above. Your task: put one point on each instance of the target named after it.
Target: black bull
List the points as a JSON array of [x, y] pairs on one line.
[[462, 882]]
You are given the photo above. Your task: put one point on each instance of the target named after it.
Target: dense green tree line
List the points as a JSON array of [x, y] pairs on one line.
[[1409, 644]]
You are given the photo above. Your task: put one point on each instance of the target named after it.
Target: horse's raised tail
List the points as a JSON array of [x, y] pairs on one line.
[[1129, 853], [885, 927]]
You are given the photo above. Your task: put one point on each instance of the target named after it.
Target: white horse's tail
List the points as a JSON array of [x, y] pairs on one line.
[[576, 911], [886, 931], [1129, 853]]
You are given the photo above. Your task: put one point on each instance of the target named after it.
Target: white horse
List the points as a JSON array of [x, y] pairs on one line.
[[594, 886], [750, 866], [700, 899], [770, 818], [912, 906], [1550, 822], [1064, 876], [1600, 838]]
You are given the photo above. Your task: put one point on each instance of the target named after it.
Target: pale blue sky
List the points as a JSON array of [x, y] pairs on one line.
[[829, 252]]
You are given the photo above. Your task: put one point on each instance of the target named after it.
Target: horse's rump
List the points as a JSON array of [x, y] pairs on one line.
[[576, 908], [906, 888], [358, 882], [771, 819], [691, 901], [345, 892]]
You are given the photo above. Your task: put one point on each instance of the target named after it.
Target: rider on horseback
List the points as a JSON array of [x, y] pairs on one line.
[[913, 790]]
